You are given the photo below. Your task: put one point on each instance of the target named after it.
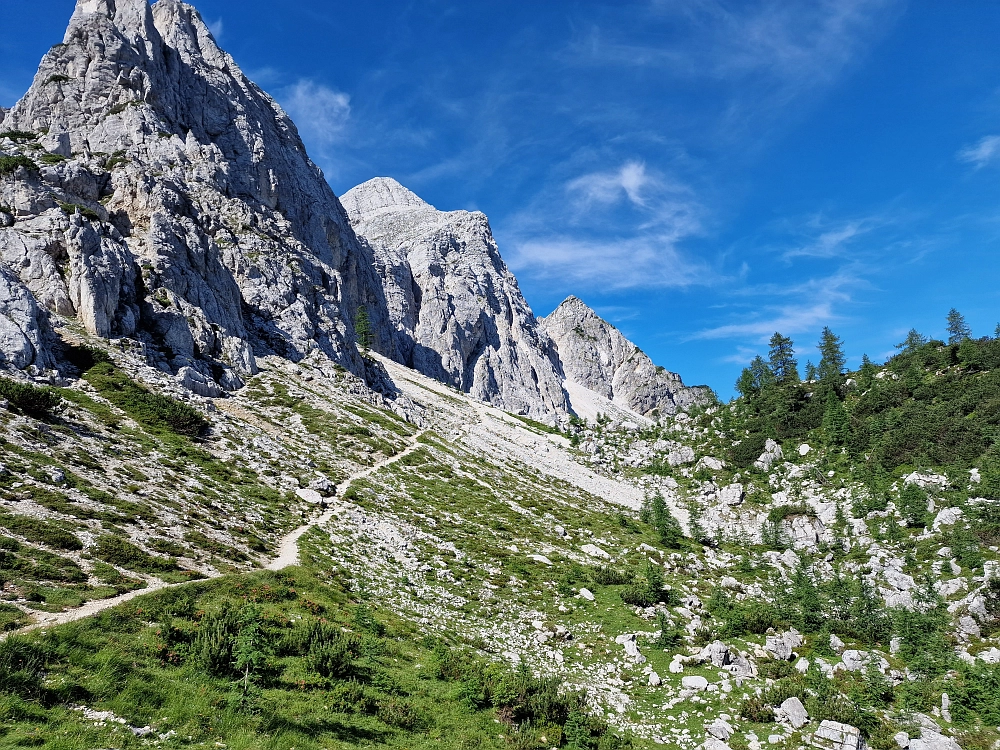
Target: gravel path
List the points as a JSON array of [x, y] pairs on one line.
[[288, 555]]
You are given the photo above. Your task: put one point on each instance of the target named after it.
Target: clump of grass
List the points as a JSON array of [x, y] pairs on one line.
[[71, 208], [43, 532], [120, 552]]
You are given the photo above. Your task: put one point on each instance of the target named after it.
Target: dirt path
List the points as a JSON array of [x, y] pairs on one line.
[[288, 549], [288, 555]]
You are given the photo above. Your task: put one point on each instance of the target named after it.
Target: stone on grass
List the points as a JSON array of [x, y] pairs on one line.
[[694, 682], [793, 710], [832, 735]]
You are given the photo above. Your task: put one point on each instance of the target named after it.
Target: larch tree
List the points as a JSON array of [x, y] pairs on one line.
[[832, 360], [958, 329], [781, 360]]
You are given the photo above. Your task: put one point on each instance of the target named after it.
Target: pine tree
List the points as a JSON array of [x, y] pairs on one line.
[[754, 378], [996, 332], [811, 373], [363, 329], [781, 359], [867, 371], [832, 360], [958, 329], [836, 425], [912, 342], [668, 527], [913, 506]]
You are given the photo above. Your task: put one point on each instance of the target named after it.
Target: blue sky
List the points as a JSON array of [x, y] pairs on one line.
[[701, 172]]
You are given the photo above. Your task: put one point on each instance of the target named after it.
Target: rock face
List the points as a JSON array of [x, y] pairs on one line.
[[596, 355], [25, 336], [457, 314], [164, 196]]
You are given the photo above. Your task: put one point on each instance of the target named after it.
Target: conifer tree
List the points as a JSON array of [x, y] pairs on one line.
[[363, 329], [811, 374], [867, 371], [913, 506], [781, 359], [832, 359], [836, 425], [913, 341], [958, 329], [754, 378]]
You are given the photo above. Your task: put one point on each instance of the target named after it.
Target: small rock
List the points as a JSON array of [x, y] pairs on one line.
[[836, 644], [694, 682], [804, 449], [832, 735], [594, 551], [793, 710], [654, 680], [720, 729], [587, 594]]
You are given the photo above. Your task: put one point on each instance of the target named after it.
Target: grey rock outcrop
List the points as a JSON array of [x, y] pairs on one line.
[[172, 200], [25, 336], [456, 311], [597, 356]]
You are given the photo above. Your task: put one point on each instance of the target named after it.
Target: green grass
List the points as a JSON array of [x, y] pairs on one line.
[[272, 660], [154, 411]]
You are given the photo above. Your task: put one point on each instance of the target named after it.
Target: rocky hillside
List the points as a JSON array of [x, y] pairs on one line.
[[150, 190], [457, 313], [701, 586], [595, 355]]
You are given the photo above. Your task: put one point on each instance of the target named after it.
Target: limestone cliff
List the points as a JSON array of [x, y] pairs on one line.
[[160, 194], [596, 355], [457, 313]]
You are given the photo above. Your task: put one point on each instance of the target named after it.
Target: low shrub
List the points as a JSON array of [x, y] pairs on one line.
[[10, 164], [152, 410], [28, 399]]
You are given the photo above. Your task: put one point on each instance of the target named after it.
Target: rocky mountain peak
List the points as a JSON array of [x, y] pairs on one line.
[[182, 200], [456, 310], [379, 194], [597, 356]]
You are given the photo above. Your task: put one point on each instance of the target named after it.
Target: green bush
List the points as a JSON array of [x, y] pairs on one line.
[[29, 399], [605, 575], [19, 135], [151, 410], [10, 164], [332, 653], [71, 208]]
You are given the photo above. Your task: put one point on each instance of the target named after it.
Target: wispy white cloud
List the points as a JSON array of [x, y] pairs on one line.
[[761, 55], [602, 246], [829, 239], [630, 181], [630, 263], [984, 152], [216, 27], [789, 319], [320, 112]]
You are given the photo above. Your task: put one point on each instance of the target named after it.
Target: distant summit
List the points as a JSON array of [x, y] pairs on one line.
[[457, 311], [595, 355]]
